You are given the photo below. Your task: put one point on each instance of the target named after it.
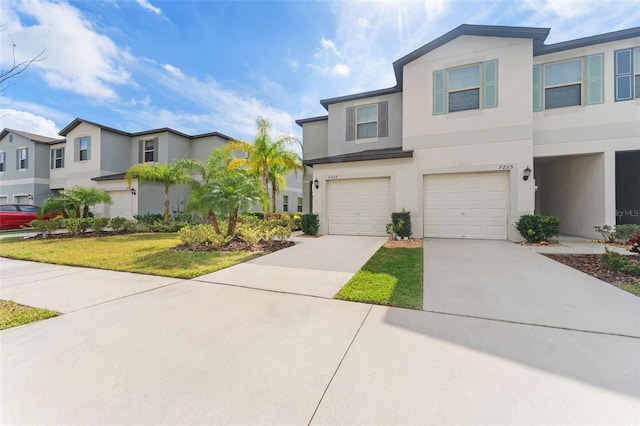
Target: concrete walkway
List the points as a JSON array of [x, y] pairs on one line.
[[164, 351]]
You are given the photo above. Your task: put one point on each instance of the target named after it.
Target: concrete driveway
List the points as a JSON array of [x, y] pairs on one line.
[[193, 352]]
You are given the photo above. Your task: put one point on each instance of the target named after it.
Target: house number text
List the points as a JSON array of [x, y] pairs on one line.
[[505, 167], [330, 177]]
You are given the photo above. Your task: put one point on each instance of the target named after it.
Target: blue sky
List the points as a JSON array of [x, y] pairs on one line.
[[202, 66]]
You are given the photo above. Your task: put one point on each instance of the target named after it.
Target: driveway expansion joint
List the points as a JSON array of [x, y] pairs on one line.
[[533, 324], [261, 289]]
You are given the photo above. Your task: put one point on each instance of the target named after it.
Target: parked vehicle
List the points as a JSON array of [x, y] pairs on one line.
[[14, 216]]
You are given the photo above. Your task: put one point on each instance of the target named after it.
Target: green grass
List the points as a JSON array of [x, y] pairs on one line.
[[393, 276], [12, 314], [631, 288], [141, 253]]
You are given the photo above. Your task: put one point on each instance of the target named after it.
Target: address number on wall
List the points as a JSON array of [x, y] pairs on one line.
[[505, 167], [330, 177]]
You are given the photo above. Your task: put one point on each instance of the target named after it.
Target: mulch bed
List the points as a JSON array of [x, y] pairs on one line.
[[239, 245], [410, 243], [590, 264]]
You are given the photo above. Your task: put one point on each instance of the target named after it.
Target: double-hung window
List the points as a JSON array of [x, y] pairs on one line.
[[299, 208], [285, 203], [367, 121], [22, 158], [3, 161], [82, 149], [465, 88], [148, 150], [57, 158], [569, 83], [627, 70]]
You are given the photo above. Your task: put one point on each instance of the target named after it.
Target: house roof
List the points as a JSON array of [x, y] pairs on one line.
[[31, 136], [75, 123], [302, 121], [538, 35], [115, 176], [373, 154]]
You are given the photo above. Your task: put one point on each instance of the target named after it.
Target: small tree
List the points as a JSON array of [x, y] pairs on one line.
[[75, 201]]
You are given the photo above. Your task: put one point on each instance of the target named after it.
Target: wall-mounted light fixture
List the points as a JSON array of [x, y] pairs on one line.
[[316, 183], [526, 173], [30, 197], [133, 191]]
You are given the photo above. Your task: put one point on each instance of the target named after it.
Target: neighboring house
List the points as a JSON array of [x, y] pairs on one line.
[[34, 167], [473, 113]]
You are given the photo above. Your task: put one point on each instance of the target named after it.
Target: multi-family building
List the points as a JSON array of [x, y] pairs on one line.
[[93, 155], [484, 124]]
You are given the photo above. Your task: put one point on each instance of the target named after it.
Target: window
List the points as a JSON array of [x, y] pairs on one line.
[[57, 158], [299, 208], [82, 149], [465, 88], [570, 83], [627, 70], [285, 203], [3, 161], [148, 150], [22, 158], [367, 121]]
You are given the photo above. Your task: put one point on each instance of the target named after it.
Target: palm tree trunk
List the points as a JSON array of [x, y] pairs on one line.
[[273, 196], [85, 211], [265, 180], [214, 221], [166, 204], [233, 220]]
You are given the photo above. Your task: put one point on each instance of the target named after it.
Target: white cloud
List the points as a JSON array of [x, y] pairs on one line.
[[567, 8], [327, 60], [175, 71], [145, 4], [78, 59], [25, 121]]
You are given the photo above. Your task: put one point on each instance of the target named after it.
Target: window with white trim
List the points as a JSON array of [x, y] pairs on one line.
[[22, 161], [627, 74], [368, 121], [57, 158], [299, 207], [285, 203], [149, 150], [3, 161], [469, 87], [83, 148]]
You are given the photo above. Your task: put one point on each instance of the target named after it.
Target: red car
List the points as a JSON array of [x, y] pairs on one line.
[[14, 216]]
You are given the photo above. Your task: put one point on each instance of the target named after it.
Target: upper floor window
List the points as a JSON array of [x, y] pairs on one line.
[[57, 158], [367, 121], [299, 208], [285, 203], [3, 161], [569, 83], [22, 158], [627, 70], [82, 149], [148, 150], [466, 88]]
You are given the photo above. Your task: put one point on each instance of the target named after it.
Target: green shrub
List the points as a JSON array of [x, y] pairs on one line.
[[608, 233], [310, 223], [149, 218], [625, 232], [296, 222], [250, 234], [257, 215], [196, 236], [160, 226], [117, 223], [282, 233], [536, 228], [617, 262], [403, 230], [98, 223], [76, 226], [130, 226], [45, 226]]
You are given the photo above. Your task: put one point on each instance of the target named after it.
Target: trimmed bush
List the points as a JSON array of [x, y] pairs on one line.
[[98, 223], [257, 215], [310, 223], [617, 262], [608, 233], [625, 232], [536, 228], [117, 223], [45, 226], [403, 217], [202, 236], [149, 218], [77, 226]]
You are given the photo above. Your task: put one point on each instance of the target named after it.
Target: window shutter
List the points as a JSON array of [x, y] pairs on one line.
[[351, 124], [537, 88], [88, 147], [76, 149], [17, 159], [155, 150], [624, 74], [62, 153], [26, 158], [383, 119], [53, 157], [439, 95], [595, 79], [140, 151], [490, 84]]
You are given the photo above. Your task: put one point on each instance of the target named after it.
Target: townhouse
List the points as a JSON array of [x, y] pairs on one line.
[[94, 155], [484, 124]]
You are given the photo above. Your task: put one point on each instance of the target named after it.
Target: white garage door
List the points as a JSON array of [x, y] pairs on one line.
[[359, 206], [121, 204], [466, 205]]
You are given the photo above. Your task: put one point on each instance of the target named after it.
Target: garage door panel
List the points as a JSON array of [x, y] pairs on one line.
[[472, 205], [358, 206]]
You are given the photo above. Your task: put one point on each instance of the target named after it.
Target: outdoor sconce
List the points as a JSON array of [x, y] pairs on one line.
[[30, 197], [316, 183], [133, 191], [526, 173]]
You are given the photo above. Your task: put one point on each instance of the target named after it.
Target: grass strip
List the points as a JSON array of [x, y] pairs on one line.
[[393, 276], [141, 253], [13, 314]]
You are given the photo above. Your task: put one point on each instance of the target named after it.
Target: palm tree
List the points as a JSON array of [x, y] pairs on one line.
[[266, 157], [223, 190], [169, 175], [75, 201]]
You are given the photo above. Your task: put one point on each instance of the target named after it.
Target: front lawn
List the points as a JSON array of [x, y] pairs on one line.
[[13, 314], [141, 253], [393, 276]]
